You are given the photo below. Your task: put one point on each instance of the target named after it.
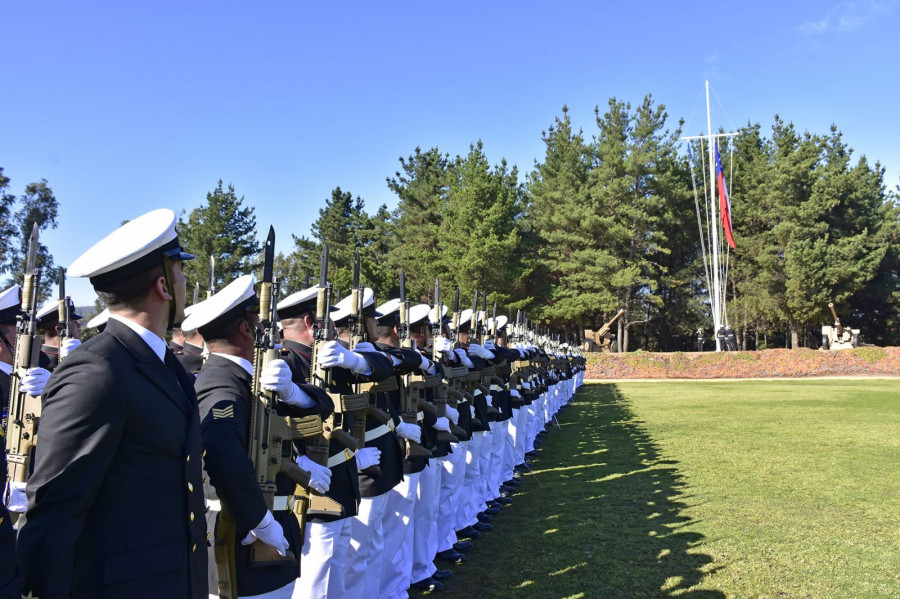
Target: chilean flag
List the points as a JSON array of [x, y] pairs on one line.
[[724, 201]]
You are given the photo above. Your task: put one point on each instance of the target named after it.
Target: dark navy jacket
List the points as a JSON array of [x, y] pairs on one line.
[[117, 479]]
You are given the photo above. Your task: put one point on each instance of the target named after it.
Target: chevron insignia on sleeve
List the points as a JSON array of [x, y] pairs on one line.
[[223, 412]]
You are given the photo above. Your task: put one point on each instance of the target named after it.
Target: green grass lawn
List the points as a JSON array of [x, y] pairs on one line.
[[705, 490]]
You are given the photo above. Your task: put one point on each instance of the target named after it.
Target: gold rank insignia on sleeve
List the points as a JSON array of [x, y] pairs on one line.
[[223, 412]]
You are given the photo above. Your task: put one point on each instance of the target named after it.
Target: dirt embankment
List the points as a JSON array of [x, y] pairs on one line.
[[864, 361]]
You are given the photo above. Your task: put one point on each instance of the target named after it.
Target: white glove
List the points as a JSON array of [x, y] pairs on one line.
[[67, 345], [277, 377], [526, 385], [269, 531], [442, 344], [465, 359], [334, 355], [366, 457], [427, 366], [471, 407], [480, 351], [34, 381], [18, 502], [413, 432], [489, 345], [364, 346], [442, 424], [319, 475], [514, 393], [453, 414], [490, 400]]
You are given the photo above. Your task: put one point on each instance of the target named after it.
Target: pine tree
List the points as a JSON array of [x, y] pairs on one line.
[[225, 229]]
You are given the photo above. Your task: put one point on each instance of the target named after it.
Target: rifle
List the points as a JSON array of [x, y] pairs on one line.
[[318, 449], [419, 384], [270, 442], [358, 334], [63, 320], [408, 403], [24, 409], [196, 293], [457, 375]]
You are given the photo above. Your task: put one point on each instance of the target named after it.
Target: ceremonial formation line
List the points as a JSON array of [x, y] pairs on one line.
[[275, 447]]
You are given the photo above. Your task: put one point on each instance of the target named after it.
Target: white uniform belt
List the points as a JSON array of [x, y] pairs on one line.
[[495, 387], [281, 502], [380, 431], [420, 416], [340, 458]]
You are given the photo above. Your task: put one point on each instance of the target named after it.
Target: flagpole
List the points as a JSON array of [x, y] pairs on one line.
[[717, 292]]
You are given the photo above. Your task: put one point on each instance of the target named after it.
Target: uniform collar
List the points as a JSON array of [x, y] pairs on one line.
[[5, 368], [156, 344], [242, 362]]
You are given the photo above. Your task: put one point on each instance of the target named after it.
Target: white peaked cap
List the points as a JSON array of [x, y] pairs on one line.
[[134, 247], [343, 306], [418, 313], [233, 300]]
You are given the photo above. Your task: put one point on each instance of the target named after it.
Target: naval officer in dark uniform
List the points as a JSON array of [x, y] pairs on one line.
[[227, 322], [115, 504]]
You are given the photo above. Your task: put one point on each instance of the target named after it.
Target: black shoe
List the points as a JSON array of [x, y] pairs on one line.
[[492, 510], [491, 505], [502, 500], [506, 491], [483, 527], [452, 556], [482, 517], [468, 533], [513, 482], [428, 584], [441, 574], [462, 547], [532, 454]]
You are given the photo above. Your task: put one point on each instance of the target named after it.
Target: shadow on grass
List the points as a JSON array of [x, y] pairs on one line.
[[606, 521]]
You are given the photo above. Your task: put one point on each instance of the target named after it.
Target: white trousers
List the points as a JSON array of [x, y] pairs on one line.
[[323, 563], [498, 442], [484, 482], [396, 568], [366, 551], [472, 499], [425, 539], [452, 479]]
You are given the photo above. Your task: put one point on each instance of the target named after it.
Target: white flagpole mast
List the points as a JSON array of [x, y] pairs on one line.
[[715, 250]]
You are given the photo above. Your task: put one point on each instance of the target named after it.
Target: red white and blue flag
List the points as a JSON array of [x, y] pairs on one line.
[[724, 200]]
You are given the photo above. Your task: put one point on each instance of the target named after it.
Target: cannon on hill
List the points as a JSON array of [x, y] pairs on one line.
[[602, 339], [838, 336]]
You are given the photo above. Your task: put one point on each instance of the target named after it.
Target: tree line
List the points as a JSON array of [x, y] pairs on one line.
[[604, 220]]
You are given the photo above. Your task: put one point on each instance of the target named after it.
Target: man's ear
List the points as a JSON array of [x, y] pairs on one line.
[[308, 320], [247, 330], [162, 288]]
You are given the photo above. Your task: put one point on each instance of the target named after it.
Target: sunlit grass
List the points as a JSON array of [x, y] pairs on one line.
[[705, 490]]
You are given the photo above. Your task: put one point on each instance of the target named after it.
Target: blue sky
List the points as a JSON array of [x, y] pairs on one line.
[[125, 107]]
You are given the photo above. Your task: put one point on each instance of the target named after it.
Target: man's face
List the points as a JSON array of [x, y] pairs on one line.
[[179, 284], [464, 336], [371, 327], [75, 329], [418, 335]]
